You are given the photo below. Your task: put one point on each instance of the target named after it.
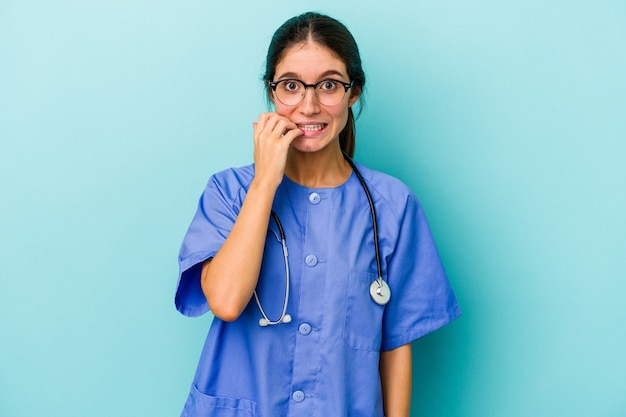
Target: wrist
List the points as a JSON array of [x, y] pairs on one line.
[[265, 185]]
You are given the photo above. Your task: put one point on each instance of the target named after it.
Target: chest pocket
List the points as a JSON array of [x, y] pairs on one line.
[[362, 328]]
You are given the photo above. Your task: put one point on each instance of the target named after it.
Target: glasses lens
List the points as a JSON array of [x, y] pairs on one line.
[[330, 92], [290, 92]]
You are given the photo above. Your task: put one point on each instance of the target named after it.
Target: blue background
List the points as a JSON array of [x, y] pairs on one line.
[[506, 117]]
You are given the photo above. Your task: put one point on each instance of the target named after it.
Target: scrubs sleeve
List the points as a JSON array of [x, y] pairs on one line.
[[213, 221], [422, 299]]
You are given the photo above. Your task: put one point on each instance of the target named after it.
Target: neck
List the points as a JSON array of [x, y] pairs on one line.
[[324, 169]]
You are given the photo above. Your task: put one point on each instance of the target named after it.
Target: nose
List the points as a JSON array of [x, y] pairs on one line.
[[309, 104]]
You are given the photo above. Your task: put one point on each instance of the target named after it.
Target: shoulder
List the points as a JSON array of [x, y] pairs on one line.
[[388, 190], [228, 187], [381, 180], [231, 181], [240, 176]]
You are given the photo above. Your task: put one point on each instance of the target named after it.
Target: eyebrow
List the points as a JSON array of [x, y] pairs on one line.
[[321, 77]]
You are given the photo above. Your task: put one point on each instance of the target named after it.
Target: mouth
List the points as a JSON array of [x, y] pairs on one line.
[[312, 128]]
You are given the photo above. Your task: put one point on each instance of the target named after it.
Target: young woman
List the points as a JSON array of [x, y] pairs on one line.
[[319, 271]]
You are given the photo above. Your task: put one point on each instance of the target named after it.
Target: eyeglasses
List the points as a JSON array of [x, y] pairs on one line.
[[328, 92]]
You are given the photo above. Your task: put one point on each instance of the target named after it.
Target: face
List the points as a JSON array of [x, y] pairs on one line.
[[310, 63]]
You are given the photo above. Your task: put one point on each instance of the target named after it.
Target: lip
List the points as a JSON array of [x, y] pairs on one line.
[[312, 129]]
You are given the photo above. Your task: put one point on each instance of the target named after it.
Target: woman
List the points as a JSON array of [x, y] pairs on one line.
[[323, 326]]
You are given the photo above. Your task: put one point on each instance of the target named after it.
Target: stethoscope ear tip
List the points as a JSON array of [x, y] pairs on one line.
[[263, 322]]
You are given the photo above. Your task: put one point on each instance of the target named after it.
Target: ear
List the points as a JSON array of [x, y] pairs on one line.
[[270, 93], [355, 93]]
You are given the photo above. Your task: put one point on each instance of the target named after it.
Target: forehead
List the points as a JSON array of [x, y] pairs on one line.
[[309, 60]]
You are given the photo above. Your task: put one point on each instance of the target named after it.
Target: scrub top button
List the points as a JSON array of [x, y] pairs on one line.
[[298, 396], [314, 198], [304, 329], [311, 260]]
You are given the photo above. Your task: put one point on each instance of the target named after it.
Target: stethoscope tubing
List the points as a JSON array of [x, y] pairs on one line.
[[377, 285], [284, 317], [379, 266]]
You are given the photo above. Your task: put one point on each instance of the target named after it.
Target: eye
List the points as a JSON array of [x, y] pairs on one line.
[[290, 86], [328, 86]]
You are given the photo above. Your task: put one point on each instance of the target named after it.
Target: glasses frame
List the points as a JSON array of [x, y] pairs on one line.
[[346, 86]]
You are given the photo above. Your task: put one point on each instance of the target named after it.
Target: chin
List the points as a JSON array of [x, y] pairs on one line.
[[310, 145]]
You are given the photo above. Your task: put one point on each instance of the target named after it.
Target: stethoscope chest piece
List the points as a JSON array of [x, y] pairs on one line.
[[380, 292]]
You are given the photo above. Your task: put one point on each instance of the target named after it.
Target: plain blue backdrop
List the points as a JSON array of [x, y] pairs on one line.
[[507, 118]]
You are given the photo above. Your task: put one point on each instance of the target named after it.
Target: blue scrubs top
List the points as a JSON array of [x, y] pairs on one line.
[[325, 362]]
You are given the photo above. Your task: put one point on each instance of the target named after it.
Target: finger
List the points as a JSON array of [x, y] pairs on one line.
[[283, 126], [276, 127], [292, 134], [273, 118], [261, 122], [276, 124], [272, 125]]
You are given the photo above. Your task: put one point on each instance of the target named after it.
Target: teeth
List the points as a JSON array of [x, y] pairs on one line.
[[311, 128]]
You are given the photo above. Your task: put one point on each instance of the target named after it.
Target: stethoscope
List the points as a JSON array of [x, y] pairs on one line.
[[379, 290]]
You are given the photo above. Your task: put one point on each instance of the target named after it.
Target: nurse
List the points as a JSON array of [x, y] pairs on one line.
[[334, 350]]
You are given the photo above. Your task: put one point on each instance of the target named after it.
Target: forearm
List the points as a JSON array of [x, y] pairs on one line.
[[229, 279], [395, 375]]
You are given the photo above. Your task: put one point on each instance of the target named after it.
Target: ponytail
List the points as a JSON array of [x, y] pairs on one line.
[[347, 137]]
